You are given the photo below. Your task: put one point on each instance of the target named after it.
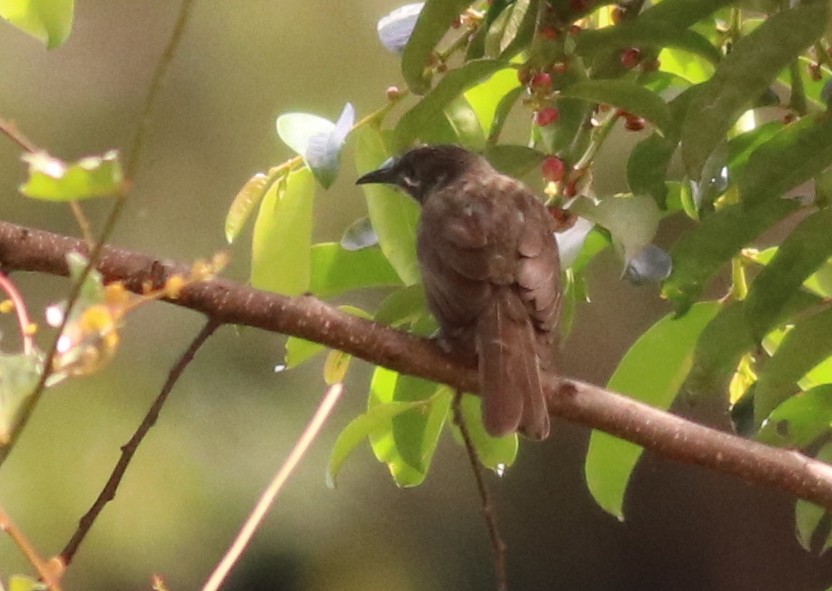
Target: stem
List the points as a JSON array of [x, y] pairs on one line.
[[270, 494], [45, 570], [108, 493], [488, 509], [20, 309]]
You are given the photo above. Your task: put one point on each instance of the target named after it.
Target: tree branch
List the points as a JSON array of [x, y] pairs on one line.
[[226, 302]]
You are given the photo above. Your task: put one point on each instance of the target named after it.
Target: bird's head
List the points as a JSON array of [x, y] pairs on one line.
[[422, 170]]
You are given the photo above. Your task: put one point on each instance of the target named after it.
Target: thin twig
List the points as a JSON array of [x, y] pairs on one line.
[[28, 407], [108, 493], [45, 569], [270, 494], [488, 510], [22, 312]]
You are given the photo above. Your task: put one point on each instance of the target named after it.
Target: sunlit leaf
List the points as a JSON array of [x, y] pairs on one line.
[[394, 215], [409, 441], [485, 98], [424, 114], [790, 157], [667, 349], [244, 203], [743, 75], [704, 250], [375, 420], [465, 124], [800, 420], [800, 254], [808, 516], [433, 22], [335, 367], [55, 180], [48, 21], [803, 347], [282, 240]]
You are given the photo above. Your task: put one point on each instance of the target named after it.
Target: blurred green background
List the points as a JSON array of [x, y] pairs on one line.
[[231, 419]]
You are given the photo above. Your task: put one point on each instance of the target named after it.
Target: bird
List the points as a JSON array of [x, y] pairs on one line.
[[491, 272]]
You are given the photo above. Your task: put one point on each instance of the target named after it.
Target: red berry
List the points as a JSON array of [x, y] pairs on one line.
[[546, 116], [560, 67], [542, 81], [548, 33], [633, 122], [630, 57], [571, 189], [617, 15], [553, 169], [393, 93], [575, 29]]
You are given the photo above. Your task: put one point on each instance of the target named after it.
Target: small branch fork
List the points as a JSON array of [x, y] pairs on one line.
[[227, 302], [488, 508]]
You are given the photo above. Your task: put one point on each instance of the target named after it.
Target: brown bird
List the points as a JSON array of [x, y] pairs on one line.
[[491, 273]]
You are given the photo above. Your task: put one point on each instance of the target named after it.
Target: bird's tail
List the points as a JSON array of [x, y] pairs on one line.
[[509, 369]]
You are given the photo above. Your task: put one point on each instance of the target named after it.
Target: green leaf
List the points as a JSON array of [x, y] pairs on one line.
[[804, 346], [800, 420], [486, 97], [688, 66], [652, 371], [282, 240], [434, 20], [792, 156], [424, 114], [800, 254], [495, 453], [647, 168], [808, 516], [724, 341], [742, 146], [409, 441], [512, 30], [375, 421], [624, 94], [336, 270], [394, 215], [299, 351], [513, 160], [244, 203], [703, 251], [48, 21], [599, 44], [19, 374], [632, 220], [501, 113], [681, 13], [55, 180], [402, 306], [743, 75], [465, 124]]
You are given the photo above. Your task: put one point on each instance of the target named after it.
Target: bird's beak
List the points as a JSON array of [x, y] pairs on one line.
[[383, 174]]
